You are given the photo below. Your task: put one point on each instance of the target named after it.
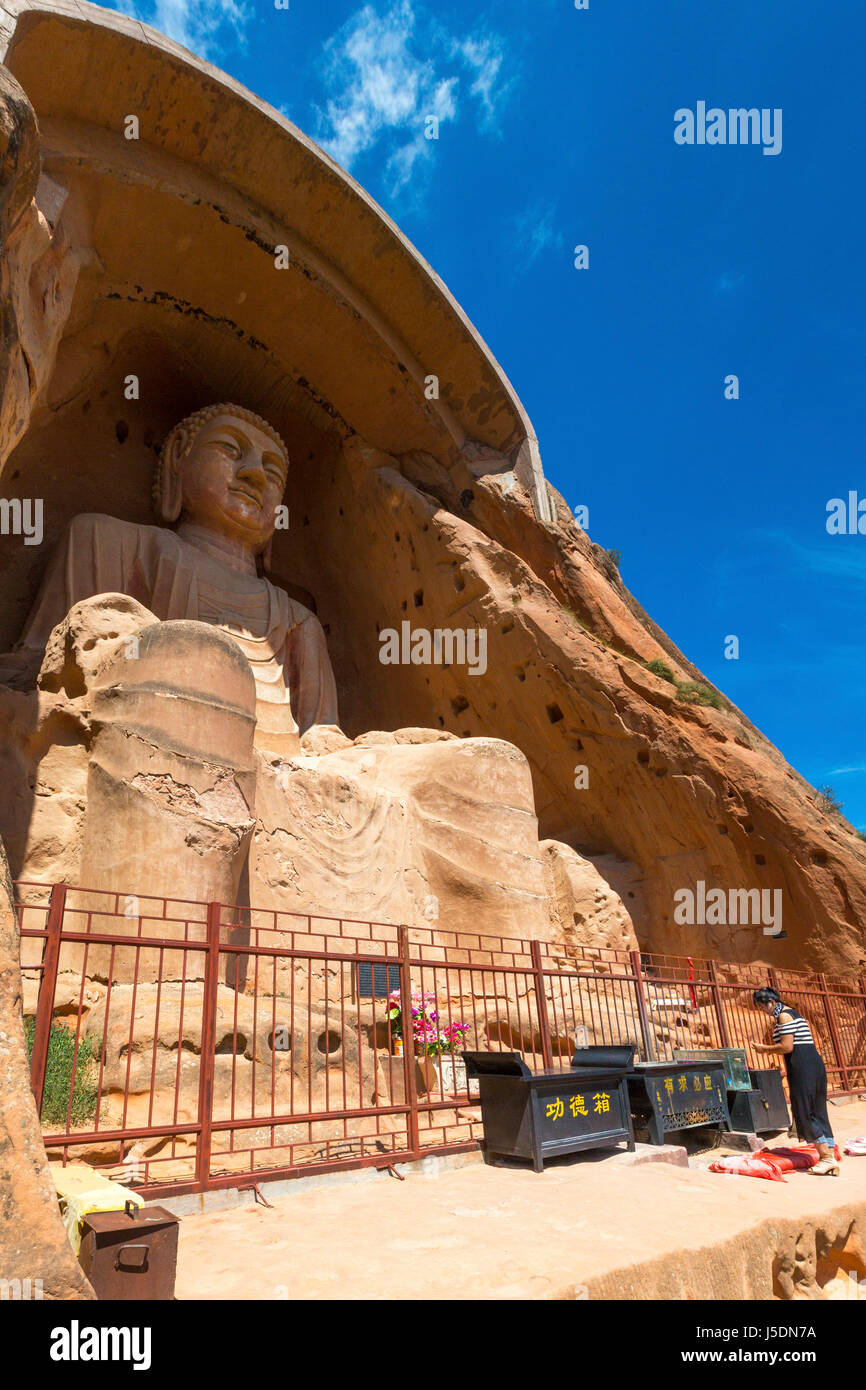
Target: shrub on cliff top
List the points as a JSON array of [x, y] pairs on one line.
[[661, 668], [829, 802], [695, 694]]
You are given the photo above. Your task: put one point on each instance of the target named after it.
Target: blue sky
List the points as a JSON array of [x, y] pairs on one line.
[[557, 129]]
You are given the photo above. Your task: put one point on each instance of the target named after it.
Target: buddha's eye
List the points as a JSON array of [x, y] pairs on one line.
[[230, 449]]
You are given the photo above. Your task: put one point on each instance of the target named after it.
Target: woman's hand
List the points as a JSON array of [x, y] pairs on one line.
[[763, 1047]]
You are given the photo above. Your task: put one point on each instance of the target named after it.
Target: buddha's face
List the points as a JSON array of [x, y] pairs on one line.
[[233, 479]]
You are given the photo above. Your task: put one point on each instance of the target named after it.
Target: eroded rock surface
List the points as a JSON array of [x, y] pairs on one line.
[[33, 1243]]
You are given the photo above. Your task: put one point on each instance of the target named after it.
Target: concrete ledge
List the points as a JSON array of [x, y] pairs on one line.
[[653, 1153], [230, 1198]]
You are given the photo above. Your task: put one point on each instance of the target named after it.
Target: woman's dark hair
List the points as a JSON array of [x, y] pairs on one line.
[[767, 995]]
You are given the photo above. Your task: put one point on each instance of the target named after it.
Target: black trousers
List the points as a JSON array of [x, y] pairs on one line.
[[807, 1081]]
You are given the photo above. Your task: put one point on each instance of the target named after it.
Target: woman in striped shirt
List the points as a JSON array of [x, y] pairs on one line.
[[807, 1076]]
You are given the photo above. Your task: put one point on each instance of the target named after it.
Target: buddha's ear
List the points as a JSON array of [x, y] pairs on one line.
[[171, 489]]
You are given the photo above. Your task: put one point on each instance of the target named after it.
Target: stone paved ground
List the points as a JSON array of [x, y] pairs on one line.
[[593, 1226]]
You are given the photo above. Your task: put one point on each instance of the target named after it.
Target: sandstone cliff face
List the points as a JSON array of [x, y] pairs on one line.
[[33, 1243], [681, 792]]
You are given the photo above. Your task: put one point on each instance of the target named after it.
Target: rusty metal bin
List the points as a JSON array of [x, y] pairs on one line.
[[130, 1254]]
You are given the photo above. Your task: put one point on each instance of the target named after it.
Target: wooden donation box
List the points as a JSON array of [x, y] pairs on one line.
[[669, 1096], [541, 1115]]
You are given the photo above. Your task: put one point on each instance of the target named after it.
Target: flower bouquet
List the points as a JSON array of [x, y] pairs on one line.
[[429, 1040]]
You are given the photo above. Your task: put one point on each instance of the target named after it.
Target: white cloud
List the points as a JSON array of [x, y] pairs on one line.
[[538, 229], [443, 106], [385, 78], [206, 27], [729, 280], [378, 81], [484, 56]]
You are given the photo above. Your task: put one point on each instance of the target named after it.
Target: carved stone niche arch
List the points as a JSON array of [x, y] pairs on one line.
[[181, 290]]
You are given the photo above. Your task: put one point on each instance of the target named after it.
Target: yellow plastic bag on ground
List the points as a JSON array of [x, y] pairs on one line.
[[81, 1190]]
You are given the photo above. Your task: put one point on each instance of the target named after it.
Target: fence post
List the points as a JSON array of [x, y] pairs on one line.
[[413, 1134], [648, 1049], [208, 1045], [45, 998], [719, 1007], [834, 1032], [541, 1005]]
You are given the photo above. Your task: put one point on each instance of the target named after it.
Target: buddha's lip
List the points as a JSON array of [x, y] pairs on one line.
[[251, 496]]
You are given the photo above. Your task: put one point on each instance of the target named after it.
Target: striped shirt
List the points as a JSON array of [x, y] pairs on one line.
[[798, 1028]]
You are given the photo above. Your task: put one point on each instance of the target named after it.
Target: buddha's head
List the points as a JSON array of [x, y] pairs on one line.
[[225, 469]]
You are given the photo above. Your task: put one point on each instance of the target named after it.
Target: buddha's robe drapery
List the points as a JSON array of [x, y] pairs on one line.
[[283, 640]]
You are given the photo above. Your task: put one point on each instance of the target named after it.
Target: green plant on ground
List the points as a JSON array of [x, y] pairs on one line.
[[695, 694], [661, 668], [615, 556], [58, 1075], [862, 834], [828, 801]]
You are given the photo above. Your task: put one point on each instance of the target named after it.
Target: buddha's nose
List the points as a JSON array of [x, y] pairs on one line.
[[251, 468]]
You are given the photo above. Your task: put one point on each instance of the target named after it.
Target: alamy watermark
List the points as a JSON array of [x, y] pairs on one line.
[[440, 647], [22, 517], [846, 516], [718, 907], [21, 1290], [736, 126], [77, 1343]]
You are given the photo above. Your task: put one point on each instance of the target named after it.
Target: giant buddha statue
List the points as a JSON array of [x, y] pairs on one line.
[[221, 477], [208, 728]]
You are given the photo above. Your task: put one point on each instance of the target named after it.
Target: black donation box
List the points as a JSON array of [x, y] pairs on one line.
[[540, 1115]]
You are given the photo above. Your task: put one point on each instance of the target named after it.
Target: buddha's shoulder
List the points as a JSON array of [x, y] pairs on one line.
[[96, 525], [292, 611]]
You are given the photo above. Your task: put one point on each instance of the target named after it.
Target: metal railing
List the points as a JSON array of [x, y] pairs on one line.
[[187, 1046]]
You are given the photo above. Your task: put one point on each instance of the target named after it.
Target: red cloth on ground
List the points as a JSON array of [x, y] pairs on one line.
[[791, 1160], [796, 1158], [755, 1166]]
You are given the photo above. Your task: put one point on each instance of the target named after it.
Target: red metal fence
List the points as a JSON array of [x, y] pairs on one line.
[[186, 1046]]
